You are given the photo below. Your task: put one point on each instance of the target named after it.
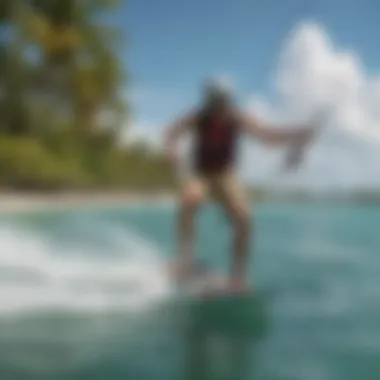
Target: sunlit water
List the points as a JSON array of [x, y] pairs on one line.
[[84, 295]]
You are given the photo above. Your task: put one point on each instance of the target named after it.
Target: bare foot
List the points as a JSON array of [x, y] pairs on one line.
[[180, 270], [238, 285]]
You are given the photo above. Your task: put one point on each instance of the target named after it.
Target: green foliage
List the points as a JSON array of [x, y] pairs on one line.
[[50, 100], [57, 163], [26, 164]]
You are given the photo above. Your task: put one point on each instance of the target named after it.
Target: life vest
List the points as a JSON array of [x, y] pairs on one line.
[[215, 141]]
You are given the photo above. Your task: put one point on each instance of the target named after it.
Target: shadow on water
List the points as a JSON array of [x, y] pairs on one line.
[[177, 340], [221, 338]]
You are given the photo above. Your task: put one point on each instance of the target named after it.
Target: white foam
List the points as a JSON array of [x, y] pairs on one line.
[[39, 272]]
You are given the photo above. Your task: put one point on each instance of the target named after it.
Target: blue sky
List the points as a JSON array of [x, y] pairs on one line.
[[332, 44], [173, 44]]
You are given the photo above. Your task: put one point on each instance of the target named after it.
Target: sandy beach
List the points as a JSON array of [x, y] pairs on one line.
[[28, 202]]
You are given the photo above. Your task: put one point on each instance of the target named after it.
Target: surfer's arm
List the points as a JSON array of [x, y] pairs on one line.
[[177, 129], [274, 135]]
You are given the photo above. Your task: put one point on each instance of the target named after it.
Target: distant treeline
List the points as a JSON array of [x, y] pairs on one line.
[[360, 196], [61, 103]]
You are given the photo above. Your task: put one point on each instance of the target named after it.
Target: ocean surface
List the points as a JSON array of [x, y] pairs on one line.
[[84, 295]]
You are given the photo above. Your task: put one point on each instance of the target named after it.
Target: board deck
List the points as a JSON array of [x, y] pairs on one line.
[[209, 306], [207, 283]]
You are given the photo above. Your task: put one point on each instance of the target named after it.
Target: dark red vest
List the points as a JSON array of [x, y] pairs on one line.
[[215, 142]]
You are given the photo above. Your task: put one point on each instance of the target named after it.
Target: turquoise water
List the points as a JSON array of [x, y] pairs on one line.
[[83, 295]]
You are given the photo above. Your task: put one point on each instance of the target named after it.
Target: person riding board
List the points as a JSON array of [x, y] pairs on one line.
[[216, 126]]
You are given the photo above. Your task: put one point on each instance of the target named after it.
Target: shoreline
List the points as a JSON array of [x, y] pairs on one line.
[[15, 202]]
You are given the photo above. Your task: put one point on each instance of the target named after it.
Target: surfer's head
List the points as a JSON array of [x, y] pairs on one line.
[[218, 93]]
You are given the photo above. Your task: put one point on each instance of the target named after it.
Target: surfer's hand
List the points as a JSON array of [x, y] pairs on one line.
[[172, 156], [302, 136], [293, 159], [238, 284], [296, 153]]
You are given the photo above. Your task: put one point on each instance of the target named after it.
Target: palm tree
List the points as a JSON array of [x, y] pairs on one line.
[[80, 63], [15, 71]]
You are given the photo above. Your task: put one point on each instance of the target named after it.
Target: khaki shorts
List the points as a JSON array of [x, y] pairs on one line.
[[224, 188]]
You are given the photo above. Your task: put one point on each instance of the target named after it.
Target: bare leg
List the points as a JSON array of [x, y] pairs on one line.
[[190, 202], [186, 239], [241, 225], [232, 198]]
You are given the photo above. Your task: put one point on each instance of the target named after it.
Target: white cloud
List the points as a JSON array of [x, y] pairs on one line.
[[144, 131], [314, 74]]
